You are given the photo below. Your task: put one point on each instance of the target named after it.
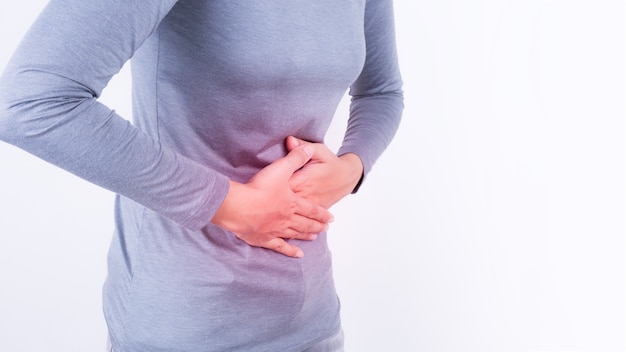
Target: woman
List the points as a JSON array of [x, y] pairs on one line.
[[223, 181]]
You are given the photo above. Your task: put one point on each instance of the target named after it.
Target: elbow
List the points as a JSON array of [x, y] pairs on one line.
[[32, 104], [379, 85], [392, 96], [12, 107]]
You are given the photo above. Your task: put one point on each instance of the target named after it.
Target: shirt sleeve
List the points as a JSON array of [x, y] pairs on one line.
[[49, 107], [376, 96]]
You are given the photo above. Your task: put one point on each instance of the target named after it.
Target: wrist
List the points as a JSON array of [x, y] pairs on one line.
[[226, 215], [353, 169]]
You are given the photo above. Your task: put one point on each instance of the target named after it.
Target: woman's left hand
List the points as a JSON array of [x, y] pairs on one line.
[[326, 178]]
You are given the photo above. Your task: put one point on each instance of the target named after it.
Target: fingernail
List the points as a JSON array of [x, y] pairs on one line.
[[308, 149], [299, 253]]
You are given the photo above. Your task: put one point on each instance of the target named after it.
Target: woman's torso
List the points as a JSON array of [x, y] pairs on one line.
[[223, 83]]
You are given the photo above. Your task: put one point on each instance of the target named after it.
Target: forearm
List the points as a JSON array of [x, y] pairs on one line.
[[373, 123], [377, 98], [49, 107], [90, 141]]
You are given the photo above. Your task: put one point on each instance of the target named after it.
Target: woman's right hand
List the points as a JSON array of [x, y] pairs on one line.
[[265, 211]]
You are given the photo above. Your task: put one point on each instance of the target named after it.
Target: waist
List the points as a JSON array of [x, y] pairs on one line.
[[208, 286]]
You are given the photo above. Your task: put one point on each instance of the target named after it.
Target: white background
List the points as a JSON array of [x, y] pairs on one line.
[[494, 222]]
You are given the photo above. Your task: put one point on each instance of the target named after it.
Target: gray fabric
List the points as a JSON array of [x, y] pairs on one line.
[[330, 344], [217, 86]]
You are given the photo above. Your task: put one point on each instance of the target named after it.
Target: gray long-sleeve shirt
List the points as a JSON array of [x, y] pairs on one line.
[[217, 86]]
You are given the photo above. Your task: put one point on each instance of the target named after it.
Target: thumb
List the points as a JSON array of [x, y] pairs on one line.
[[293, 142], [297, 157]]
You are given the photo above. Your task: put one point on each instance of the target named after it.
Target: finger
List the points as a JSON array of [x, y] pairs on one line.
[[283, 247], [293, 142], [320, 150], [289, 233], [313, 211], [296, 158], [296, 235], [301, 225], [306, 236], [296, 181]]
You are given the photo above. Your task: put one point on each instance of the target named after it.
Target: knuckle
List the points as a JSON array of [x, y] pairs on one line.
[[278, 246], [313, 226]]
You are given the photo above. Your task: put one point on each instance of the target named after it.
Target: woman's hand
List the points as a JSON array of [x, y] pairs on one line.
[[326, 178], [265, 211]]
